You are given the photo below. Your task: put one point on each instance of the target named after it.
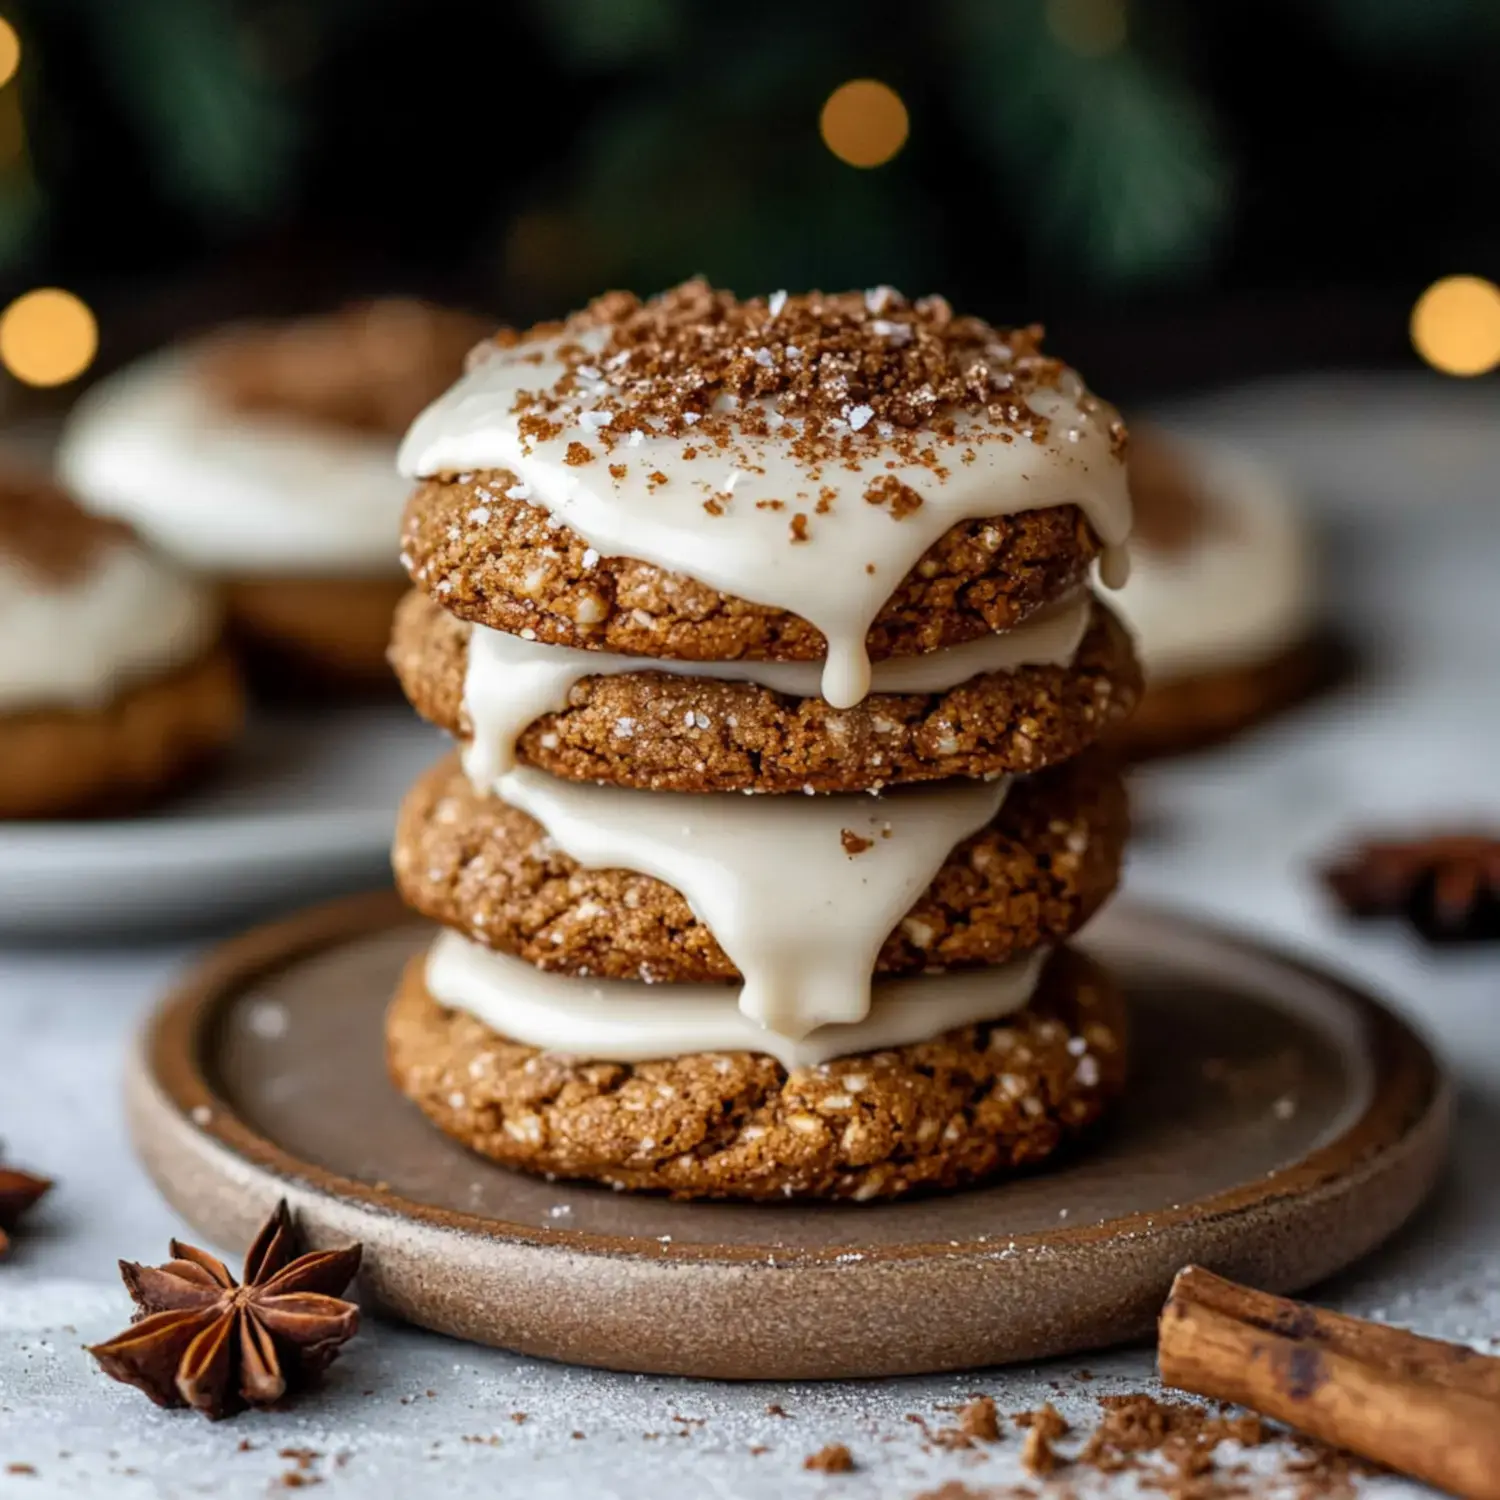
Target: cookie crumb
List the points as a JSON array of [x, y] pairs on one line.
[[1043, 1427], [901, 499], [1037, 1456], [980, 1420], [853, 843], [834, 1459]]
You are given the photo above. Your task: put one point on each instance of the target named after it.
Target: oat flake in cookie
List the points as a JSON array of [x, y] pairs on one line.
[[758, 621], [114, 685], [262, 455]]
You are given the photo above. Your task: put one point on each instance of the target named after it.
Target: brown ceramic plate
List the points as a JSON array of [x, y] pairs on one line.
[[1279, 1124]]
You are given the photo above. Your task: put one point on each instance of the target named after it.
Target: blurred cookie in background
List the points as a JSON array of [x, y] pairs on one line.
[[264, 456], [1222, 597], [115, 685]]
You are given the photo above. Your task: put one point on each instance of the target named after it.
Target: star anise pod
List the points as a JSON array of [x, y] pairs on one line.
[[18, 1191], [1446, 885], [203, 1339]]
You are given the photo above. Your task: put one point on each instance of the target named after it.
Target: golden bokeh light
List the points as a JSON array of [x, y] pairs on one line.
[[1455, 325], [48, 337], [864, 122], [10, 52], [1091, 28]]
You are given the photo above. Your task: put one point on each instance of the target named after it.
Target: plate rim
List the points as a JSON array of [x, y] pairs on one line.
[[1410, 1091]]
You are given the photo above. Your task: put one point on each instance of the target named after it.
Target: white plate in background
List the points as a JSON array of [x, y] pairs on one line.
[[304, 807]]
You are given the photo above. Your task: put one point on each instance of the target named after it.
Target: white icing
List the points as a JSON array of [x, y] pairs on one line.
[[747, 551], [510, 682], [232, 492], [802, 919], [619, 1021], [1241, 590], [129, 617]]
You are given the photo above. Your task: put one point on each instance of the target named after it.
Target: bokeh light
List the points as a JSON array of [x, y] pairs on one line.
[[1455, 325], [864, 122], [10, 52], [48, 337], [1091, 28]]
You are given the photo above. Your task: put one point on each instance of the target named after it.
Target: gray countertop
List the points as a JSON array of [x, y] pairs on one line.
[[1402, 477]]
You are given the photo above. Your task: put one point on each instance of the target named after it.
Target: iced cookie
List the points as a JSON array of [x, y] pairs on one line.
[[897, 1109], [114, 685], [1222, 597], [263, 457], [1036, 872], [1012, 702]]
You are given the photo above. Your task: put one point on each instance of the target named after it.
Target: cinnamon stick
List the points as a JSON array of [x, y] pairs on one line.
[[1417, 1405]]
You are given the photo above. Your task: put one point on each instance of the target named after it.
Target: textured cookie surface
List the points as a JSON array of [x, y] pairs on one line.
[[1034, 876], [971, 1104], [660, 732], [507, 564], [115, 758]]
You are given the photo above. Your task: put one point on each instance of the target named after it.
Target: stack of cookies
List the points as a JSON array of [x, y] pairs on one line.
[[765, 632]]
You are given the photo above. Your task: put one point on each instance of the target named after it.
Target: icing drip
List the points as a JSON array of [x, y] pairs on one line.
[[509, 682], [619, 1021], [128, 617], [646, 498], [800, 892]]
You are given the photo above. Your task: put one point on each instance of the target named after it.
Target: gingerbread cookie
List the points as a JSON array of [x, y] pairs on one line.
[[1221, 599], [504, 563], [1032, 876], [263, 457], [1011, 703], [114, 687], [967, 1104]]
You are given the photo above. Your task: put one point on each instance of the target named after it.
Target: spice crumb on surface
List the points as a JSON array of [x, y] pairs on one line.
[[834, 1459]]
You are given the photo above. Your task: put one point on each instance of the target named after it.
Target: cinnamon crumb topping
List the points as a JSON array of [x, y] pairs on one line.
[[578, 454], [887, 490], [834, 375], [799, 527], [853, 843]]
